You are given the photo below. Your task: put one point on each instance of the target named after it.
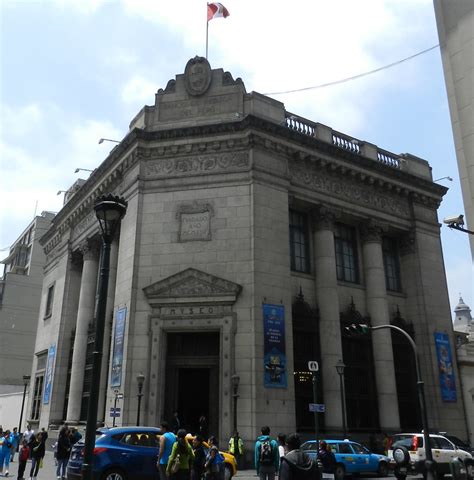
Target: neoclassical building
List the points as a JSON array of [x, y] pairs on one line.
[[252, 238]]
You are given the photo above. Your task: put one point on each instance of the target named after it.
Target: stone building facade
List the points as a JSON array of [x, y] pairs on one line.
[[252, 238]]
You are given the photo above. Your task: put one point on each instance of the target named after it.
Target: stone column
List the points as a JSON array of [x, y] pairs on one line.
[[329, 320], [109, 312], [377, 308], [85, 315]]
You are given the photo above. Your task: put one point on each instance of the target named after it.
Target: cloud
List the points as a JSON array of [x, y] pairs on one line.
[[138, 89], [85, 7]]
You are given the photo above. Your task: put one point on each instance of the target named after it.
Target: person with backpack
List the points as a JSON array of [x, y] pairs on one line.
[[267, 458], [296, 464]]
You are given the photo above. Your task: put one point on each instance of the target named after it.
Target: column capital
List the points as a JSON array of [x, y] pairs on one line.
[[372, 231], [90, 249], [323, 218], [408, 242]]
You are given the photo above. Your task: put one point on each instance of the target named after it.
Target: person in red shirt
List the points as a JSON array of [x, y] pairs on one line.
[[23, 458]]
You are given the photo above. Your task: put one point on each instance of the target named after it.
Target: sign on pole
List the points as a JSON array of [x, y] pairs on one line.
[[313, 366], [317, 407]]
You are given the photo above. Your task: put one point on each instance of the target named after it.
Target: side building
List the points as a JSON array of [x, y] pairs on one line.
[[253, 238], [20, 295]]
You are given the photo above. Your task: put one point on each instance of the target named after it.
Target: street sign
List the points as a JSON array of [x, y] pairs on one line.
[[317, 407], [119, 396], [114, 412], [313, 366]]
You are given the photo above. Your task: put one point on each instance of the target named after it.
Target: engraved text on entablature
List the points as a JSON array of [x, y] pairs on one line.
[[363, 195], [197, 164]]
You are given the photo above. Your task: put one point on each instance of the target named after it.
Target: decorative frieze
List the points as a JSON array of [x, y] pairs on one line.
[[361, 195], [196, 164]]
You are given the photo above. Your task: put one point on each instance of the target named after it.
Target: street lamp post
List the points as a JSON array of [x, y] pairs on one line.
[[109, 211], [235, 385], [26, 380], [340, 371], [140, 381]]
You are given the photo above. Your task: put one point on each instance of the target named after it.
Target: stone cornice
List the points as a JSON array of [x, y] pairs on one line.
[[257, 132]]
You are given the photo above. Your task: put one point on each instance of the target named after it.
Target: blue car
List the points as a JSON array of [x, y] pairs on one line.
[[122, 453], [351, 457]]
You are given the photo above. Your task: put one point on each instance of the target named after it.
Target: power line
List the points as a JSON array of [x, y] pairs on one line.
[[360, 75]]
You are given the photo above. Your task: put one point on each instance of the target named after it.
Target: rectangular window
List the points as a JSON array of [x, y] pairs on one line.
[[346, 253], [38, 386], [391, 264], [49, 302], [299, 242]]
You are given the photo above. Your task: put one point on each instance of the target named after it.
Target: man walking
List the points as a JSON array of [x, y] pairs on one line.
[[297, 465], [267, 459], [167, 441]]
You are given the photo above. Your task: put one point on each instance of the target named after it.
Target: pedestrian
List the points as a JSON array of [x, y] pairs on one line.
[[214, 461], [203, 426], [44, 435], [5, 452], [75, 436], [296, 464], [282, 445], [386, 443], [199, 458], [180, 461], [327, 459], [236, 447], [28, 435], [37, 455], [63, 449], [15, 442], [167, 441], [267, 459], [23, 457], [175, 423]]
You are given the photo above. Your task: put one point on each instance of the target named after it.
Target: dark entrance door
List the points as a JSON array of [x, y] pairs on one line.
[[192, 379]]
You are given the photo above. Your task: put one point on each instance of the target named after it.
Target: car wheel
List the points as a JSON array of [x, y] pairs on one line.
[[383, 469], [339, 472], [114, 474], [227, 473]]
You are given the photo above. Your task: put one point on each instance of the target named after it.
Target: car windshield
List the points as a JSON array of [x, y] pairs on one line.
[[457, 441]]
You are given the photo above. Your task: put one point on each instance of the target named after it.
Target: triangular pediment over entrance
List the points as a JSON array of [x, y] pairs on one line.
[[192, 286]]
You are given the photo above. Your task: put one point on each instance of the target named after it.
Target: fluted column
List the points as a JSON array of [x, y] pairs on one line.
[[329, 320], [104, 375], [85, 315], [377, 308]]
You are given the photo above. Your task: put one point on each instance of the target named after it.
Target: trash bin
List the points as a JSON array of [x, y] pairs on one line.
[[458, 469]]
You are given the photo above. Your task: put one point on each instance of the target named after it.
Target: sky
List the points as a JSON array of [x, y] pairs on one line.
[[74, 71]]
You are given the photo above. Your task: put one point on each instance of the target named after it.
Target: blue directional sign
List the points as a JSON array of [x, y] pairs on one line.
[[317, 407]]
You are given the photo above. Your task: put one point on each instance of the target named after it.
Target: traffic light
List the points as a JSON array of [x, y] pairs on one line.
[[357, 329]]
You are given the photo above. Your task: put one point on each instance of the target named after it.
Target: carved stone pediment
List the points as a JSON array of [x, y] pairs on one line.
[[192, 286]]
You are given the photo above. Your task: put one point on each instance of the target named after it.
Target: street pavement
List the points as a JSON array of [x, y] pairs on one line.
[[48, 472]]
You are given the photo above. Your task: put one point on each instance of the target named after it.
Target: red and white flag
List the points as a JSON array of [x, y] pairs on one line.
[[216, 10]]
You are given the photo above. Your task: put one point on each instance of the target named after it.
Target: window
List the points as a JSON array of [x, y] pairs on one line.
[[38, 386], [345, 448], [391, 264], [49, 302], [299, 242], [346, 253]]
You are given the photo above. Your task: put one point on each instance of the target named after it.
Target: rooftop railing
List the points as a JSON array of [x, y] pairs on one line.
[[346, 142]]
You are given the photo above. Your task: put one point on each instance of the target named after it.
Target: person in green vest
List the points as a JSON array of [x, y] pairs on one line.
[[236, 447]]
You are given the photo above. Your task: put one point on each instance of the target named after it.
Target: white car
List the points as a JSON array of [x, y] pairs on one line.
[[443, 451]]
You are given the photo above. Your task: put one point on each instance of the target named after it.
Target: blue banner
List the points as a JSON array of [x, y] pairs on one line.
[[274, 350], [445, 367], [117, 357], [48, 382]]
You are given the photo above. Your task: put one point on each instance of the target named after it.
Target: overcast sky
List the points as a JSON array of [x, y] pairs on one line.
[[73, 71]]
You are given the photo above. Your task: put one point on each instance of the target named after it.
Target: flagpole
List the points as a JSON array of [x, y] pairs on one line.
[[207, 29]]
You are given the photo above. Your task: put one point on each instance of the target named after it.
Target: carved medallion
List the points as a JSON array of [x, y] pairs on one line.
[[197, 76]]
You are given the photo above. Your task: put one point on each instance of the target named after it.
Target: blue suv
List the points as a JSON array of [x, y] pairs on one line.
[[122, 453], [351, 457]]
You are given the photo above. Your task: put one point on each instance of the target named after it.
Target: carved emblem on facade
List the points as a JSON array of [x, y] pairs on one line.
[[197, 76], [195, 221], [197, 164]]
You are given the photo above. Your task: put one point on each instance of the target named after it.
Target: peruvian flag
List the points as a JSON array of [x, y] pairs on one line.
[[216, 10]]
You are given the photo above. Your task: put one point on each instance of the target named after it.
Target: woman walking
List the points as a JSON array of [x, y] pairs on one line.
[[37, 455], [63, 450], [181, 458]]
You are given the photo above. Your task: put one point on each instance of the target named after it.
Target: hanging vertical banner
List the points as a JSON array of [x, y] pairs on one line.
[[445, 367], [274, 350], [49, 374], [117, 356]]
